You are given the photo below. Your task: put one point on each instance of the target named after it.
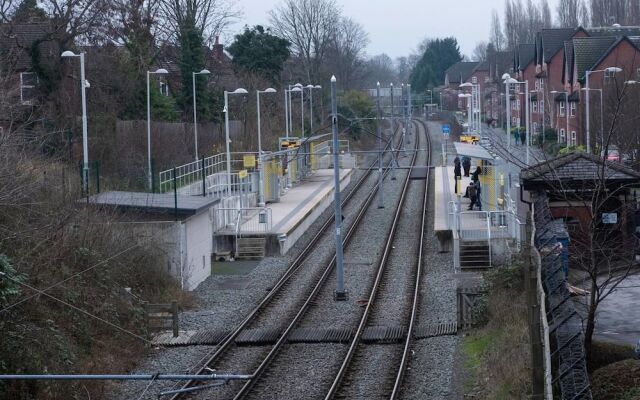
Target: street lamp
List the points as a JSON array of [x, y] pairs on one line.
[[85, 145], [228, 141], [195, 120], [566, 112], [287, 106], [467, 96], [159, 71], [261, 201], [601, 109], [509, 81], [587, 73], [311, 87]]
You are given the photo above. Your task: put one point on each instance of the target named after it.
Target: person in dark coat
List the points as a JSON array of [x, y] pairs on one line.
[[475, 177], [457, 174], [523, 137], [466, 165], [473, 194]]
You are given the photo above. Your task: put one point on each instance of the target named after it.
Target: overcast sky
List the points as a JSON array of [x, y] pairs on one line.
[[395, 27]]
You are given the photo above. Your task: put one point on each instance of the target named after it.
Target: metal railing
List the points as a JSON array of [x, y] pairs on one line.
[[242, 220]]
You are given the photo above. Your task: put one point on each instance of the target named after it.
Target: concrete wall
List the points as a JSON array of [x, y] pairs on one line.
[[198, 235]]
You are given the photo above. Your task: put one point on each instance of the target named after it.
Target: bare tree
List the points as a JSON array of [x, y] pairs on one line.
[[346, 54], [210, 17], [609, 12], [380, 68], [496, 36], [403, 68], [480, 51], [572, 13], [547, 19], [309, 25]]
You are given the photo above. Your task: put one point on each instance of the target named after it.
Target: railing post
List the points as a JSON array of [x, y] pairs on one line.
[[204, 178], [175, 195]]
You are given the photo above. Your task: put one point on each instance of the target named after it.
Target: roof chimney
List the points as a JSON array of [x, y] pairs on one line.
[[218, 49]]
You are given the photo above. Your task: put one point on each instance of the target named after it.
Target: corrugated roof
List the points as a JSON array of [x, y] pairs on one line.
[[552, 40], [460, 71], [576, 168], [587, 51]]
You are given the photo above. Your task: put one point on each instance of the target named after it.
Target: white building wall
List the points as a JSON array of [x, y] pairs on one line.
[[197, 248]]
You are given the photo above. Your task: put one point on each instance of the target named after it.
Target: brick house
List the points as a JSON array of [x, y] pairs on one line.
[[454, 76]]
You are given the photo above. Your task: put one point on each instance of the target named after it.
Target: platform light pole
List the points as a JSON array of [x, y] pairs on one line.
[[159, 71], [509, 81], [195, 119], [379, 133], [311, 87], [340, 294], [588, 117], [85, 145], [226, 128], [261, 201]]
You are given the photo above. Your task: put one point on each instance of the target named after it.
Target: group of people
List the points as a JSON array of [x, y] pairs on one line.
[[474, 189], [522, 136]]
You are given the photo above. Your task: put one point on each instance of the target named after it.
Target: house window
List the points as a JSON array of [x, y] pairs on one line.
[[535, 127], [541, 107], [573, 109], [573, 138], [562, 136], [537, 84], [518, 104], [164, 89], [28, 83], [514, 106], [535, 107], [561, 113], [474, 79]]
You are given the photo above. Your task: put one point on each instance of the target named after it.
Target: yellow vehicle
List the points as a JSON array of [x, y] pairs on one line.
[[471, 139]]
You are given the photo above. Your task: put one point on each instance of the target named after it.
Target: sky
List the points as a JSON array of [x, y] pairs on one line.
[[396, 27]]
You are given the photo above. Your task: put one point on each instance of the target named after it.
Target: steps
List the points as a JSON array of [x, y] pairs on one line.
[[250, 247], [475, 255]]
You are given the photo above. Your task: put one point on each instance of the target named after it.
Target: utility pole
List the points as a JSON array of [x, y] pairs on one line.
[[340, 294], [379, 132]]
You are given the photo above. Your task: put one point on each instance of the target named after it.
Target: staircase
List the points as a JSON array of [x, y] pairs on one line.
[[250, 247], [475, 255]]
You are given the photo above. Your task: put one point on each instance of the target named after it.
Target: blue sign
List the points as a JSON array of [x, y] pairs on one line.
[[446, 129]]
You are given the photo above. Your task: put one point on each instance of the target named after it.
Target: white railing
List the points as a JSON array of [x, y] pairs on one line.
[[242, 220]]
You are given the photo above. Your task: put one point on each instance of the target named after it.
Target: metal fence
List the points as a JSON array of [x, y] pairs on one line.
[[565, 335], [247, 220]]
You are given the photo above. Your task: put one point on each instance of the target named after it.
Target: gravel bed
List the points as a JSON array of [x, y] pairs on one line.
[[432, 364], [374, 379], [225, 309]]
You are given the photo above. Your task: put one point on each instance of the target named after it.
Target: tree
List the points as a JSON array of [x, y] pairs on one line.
[[353, 106], [29, 12], [345, 57], [439, 55], [572, 13], [403, 69], [260, 52], [496, 36], [309, 25], [191, 21], [609, 12], [480, 51], [379, 68]]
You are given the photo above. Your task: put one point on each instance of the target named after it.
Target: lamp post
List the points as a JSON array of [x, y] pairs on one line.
[[379, 133], [340, 294], [311, 87], [85, 145], [468, 97], [509, 81], [261, 201], [566, 112], [195, 119], [507, 91], [601, 109], [159, 71], [587, 73], [227, 140]]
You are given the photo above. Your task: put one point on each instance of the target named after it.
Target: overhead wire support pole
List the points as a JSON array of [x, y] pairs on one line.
[[379, 132], [340, 293]]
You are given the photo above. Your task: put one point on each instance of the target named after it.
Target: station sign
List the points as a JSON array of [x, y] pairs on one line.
[[243, 174], [289, 143], [446, 129], [249, 161]]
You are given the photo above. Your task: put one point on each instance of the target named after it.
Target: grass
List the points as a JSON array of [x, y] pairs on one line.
[[233, 268], [617, 381], [496, 356]]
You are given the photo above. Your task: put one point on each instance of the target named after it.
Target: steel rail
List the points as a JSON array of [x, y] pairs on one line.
[[293, 268]]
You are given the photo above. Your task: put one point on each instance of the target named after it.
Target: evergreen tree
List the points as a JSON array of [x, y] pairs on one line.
[[438, 55]]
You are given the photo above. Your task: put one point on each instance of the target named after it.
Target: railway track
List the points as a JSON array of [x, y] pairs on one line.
[[256, 318], [286, 358]]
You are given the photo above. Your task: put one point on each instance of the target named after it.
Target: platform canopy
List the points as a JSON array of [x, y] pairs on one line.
[[473, 151]]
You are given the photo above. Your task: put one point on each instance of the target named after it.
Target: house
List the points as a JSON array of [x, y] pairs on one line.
[[17, 44], [454, 76], [525, 71]]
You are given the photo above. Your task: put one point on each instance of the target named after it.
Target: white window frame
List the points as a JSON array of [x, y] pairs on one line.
[[572, 109], [474, 79], [23, 86], [535, 107], [535, 127], [517, 104], [541, 107], [562, 135], [164, 88], [561, 111], [573, 138]]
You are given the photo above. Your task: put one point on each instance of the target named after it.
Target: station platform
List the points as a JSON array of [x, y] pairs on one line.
[[444, 195], [290, 217]]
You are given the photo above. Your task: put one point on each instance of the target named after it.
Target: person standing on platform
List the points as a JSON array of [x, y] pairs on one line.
[[473, 195], [466, 165], [475, 177], [457, 173], [516, 135]]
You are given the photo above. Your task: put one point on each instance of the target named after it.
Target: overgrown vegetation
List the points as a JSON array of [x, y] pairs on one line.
[[497, 356], [63, 273]]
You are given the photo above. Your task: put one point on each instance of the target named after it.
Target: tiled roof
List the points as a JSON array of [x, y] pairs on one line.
[[552, 40], [482, 66], [524, 55], [576, 168], [460, 71], [567, 66], [15, 39], [587, 51], [501, 62]]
